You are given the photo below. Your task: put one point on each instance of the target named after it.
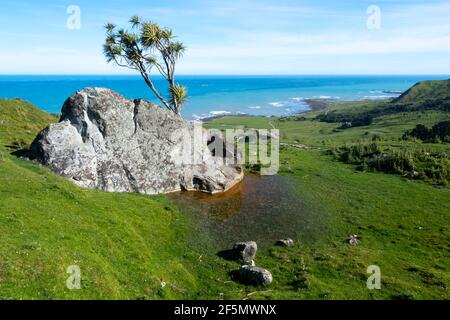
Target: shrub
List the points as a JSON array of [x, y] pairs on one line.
[[440, 132], [434, 167], [361, 121]]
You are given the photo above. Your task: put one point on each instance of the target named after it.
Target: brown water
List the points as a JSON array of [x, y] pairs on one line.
[[261, 208]]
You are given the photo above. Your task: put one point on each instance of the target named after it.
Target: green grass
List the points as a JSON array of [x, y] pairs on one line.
[[425, 90], [317, 134], [424, 96], [127, 245], [119, 241], [403, 224], [19, 122]]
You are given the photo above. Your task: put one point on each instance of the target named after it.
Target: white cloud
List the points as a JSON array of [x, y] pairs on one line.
[[421, 30], [416, 29], [279, 48]]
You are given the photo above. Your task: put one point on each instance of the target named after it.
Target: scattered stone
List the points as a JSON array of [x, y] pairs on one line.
[[296, 145], [353, 240], [254, 275], [107, 142], [346, 125], [414, 175], [285, 243], [245, 251]]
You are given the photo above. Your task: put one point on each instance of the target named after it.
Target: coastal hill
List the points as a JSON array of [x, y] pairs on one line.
[[425, 95], [437, 90]]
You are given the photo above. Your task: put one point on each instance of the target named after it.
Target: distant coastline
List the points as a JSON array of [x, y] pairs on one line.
[[313, 105], [216, 96]]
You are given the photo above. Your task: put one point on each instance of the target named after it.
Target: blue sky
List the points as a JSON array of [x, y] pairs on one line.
[[236, 37]]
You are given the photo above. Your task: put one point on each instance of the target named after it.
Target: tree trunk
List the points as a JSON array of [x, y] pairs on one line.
[[160, 97], [172, 85]]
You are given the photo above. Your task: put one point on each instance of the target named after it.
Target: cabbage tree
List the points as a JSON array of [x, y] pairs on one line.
[[145, 48]]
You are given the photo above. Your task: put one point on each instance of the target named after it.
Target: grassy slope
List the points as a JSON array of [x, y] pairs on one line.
[[19, 122], [126, 244], [403, 225], [423, 96], [438, 90], [322, 134]]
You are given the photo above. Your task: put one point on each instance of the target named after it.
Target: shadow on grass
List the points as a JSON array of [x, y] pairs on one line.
[[234, 276], [228, 254], [21, 153]]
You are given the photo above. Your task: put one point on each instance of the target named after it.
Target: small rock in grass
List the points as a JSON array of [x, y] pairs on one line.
[[285, 242], [245, 251], [414, 175], [353, 240], [254, 275]]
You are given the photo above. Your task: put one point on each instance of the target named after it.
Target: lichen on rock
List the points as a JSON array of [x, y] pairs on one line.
[[107, 142]]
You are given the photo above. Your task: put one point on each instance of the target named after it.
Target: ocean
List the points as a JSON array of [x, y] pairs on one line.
[[216, 95]]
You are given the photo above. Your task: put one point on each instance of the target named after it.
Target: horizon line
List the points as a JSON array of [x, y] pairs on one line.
[[230, 75]]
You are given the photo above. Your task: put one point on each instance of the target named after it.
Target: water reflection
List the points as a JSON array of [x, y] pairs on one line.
[[261, 208]]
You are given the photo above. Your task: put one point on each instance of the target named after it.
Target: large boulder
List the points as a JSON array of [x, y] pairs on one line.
[[107, 142]]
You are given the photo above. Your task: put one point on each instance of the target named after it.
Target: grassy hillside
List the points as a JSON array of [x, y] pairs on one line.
[[131, 246], [426, 90], [424, 96], [19, 122], [47, 224], [322, 134], [389, 212]]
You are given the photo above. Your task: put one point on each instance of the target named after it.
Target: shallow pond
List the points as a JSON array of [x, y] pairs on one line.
[[261, 208]]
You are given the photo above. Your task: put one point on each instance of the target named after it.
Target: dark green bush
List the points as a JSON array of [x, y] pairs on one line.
[[363, 120], [440, 132], [433, 167]]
